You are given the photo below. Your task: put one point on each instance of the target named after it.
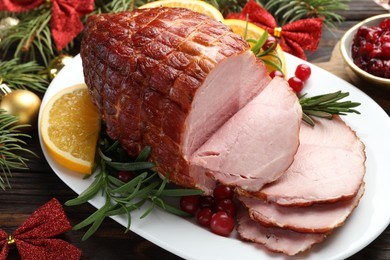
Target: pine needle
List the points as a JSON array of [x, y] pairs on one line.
[[23, 75], [11, 144]]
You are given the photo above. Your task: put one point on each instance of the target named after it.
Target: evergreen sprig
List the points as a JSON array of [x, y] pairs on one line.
[[11, 145], [31, 39], [292, 10], [146, 188], [23, 75]]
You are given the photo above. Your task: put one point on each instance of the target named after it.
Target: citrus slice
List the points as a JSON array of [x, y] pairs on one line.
[[194, 5], [70, 126], [255, 32]]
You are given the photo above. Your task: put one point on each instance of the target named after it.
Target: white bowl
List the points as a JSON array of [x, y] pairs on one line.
[[345, 48]]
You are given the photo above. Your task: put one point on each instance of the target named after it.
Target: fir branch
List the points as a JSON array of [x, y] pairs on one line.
[[11, 144], [31, 38], [286, 11], [23, 75]]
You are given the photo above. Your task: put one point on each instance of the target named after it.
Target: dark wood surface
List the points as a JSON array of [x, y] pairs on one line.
[[32, 188]]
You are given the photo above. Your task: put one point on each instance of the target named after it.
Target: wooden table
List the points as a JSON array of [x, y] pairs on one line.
[[32, 188]]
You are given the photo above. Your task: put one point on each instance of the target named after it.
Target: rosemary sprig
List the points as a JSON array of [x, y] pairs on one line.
[[326, 105], [145, 189], [262, 54]]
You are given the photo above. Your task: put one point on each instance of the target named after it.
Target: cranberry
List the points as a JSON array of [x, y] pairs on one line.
[[276, 73], [386, 51], [125, 176], [371, 49], [189, 204], [296, 84], [270, 43], [385, 24], [204, 217], [206, 202], [228, 206], [221, 223], [223, 192], [303, 72]]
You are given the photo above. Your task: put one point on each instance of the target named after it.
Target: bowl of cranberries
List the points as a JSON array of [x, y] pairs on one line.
[[366, 50]]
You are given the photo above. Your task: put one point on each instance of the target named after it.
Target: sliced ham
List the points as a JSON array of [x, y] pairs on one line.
[[318, 218], [276, 239], [329, 166], [168, 78], [258, 143]]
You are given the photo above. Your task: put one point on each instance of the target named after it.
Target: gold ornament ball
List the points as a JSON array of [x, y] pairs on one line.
[[57, 64], [24, 104]]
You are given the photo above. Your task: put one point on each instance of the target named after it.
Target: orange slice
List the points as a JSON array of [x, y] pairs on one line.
[[255, 32], [70, 126], [194, 5]]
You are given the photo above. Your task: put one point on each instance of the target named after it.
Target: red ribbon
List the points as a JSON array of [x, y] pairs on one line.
[[65, 21], [295, 37], [34, 238]]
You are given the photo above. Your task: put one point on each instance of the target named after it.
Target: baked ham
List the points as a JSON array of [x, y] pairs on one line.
[[276, 239], [169, 78], [328, 166], [254, 147], [317, 218]]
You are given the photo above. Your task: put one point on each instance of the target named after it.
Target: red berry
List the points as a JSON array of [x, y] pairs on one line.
[[204, 217], [206, 202], [223, 192], [296, 84], [386, 51], [385, 24], [221, 224], [270, 43], [228, 206], [276, 73], [303, 71], [189, 204], [125, 176]]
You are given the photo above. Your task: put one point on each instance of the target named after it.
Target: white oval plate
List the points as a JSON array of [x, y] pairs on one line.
[[186, 239]]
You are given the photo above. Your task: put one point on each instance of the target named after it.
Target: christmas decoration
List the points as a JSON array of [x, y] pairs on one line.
[[22, 104], [34, 239], [57, 64], [295, 37], [6, 24], [65, 16]]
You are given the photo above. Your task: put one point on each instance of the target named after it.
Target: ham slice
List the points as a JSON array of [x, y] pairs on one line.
[[318, 218], [276, 239], [255, 147], [168, 78], [329, 166]]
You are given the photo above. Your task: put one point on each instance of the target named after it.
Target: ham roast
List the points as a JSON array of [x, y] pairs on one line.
[[329, 166], [169, 78], [188, 87]]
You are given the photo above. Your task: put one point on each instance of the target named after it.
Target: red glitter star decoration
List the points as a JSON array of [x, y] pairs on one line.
[[295, 37], [34, 238]]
